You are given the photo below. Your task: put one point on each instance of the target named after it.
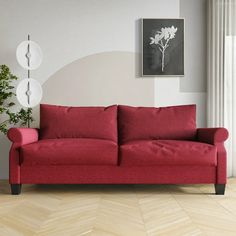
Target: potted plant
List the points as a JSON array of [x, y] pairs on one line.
[[9, 116]]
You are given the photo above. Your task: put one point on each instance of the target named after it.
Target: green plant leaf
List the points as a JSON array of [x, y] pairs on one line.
[[21, 117]]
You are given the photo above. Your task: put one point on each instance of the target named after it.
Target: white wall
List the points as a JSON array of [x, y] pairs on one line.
[[71, 29], [192, 87], [68, 30]]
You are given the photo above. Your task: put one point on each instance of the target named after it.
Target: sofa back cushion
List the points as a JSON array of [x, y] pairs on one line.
[[147, 123], [78, 122]]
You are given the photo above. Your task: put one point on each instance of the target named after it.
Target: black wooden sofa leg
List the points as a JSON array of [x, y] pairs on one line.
[[220, 189], [15, 189]]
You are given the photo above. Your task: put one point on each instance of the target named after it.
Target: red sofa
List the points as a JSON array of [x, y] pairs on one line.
[[117, 145]]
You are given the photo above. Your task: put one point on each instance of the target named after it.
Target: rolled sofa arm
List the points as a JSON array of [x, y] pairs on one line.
[[212, 135], [216, 137], [19, 137], [22, 136]]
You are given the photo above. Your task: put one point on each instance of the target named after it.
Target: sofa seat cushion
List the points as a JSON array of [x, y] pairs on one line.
[[167, 152], [70, 152]]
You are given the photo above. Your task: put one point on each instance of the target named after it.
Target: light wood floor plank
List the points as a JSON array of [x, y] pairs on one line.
[[118, 210]]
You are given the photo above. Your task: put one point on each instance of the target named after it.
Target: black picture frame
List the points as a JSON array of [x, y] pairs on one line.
[[162, 47]]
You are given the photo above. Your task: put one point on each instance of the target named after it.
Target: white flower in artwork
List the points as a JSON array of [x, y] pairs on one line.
[[162, 39]]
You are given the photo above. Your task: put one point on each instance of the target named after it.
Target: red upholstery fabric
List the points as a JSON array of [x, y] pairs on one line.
[[70, 152], [139, 123], [221, 164], [78, 122], [22, 135], [167, 152], [118, 174], [212, 135], [55, 160], [19, 137], [216, 136]]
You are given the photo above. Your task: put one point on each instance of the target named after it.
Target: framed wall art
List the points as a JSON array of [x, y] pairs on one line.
[[162, 47]]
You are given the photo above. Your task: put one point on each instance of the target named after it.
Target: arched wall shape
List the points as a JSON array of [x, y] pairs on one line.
[[100, 80]]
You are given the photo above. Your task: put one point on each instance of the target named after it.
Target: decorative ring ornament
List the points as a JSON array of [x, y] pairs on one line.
[[29, 92], [29, 55]]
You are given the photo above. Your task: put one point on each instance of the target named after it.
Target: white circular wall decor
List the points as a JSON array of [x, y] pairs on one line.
[[29, 92], [29, 55]]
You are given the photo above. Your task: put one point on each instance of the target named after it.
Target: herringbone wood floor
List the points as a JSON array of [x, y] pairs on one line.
[[118, 210]]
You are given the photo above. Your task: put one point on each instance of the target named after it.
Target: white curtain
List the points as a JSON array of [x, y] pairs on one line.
[[221, 90]]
